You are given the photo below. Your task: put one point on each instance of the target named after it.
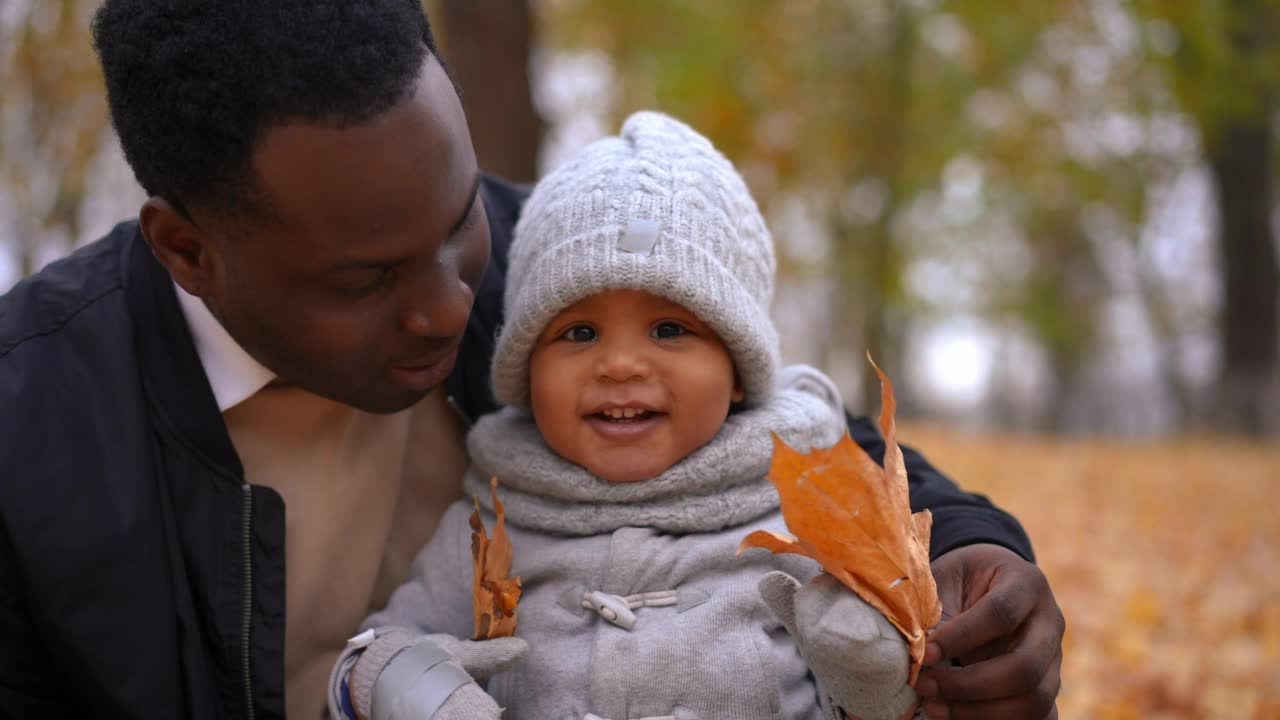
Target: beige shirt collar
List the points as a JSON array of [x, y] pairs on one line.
[[233, 374]]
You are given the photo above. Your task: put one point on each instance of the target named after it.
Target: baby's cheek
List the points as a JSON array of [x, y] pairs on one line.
[[563, 440]]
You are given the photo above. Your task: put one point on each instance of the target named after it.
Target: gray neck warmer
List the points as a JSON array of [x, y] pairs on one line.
[[722, 484]]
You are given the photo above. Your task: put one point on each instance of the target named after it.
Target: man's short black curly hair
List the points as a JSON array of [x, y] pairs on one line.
[[193, 84]]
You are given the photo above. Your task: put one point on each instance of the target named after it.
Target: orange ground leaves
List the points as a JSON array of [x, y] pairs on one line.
[[854, 517], [494, 594], [1162, 555]]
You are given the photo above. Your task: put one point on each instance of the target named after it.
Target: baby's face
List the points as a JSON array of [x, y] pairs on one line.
[[626, 384]]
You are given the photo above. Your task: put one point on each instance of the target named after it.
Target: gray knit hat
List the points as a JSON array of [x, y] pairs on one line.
[[656, 209]]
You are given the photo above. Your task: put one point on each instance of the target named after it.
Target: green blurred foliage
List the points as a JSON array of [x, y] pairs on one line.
[[824, 95], [875, 116], [1226, 64]]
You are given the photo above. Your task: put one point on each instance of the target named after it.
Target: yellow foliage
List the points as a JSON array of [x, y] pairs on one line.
[[1163, 557]]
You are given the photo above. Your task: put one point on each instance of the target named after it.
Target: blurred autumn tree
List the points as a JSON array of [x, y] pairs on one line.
[[1019, 147], [53, 115], [1030, 167], [1226, 69], [861, 109]]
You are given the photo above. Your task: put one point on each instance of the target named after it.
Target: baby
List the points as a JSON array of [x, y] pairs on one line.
[[642, 381]]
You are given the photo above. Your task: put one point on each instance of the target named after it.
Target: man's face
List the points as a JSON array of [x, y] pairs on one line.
[[360, 286]]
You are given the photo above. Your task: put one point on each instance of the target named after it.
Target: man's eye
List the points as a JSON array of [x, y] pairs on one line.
[[579, 334], [382, 279], [668, 330]]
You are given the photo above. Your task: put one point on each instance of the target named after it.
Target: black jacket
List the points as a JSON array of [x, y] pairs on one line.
[[140, 576]]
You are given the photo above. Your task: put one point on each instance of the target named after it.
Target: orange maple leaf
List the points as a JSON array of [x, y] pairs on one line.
[[494, 594], [854, 517]]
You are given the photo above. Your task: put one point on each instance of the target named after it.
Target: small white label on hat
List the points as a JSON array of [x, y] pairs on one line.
[[640, 237]]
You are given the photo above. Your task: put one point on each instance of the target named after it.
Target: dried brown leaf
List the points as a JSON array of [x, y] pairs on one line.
[[854, 517], [494, 594]]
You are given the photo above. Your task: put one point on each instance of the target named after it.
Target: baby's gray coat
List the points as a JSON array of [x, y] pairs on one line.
[[703, 647], [724, 657]]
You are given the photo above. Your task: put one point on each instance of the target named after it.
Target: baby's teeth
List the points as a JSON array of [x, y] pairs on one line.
[[623, 413]]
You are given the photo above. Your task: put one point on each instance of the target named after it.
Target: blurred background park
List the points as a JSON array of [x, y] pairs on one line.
[[1054, 223]]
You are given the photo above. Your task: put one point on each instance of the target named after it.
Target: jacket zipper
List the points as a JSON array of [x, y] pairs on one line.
[[246, 601]]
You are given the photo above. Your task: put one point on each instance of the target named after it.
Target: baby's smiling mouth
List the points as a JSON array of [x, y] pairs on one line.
[[626, 414]]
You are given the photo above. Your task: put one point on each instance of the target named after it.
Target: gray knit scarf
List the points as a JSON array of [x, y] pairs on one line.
[[722, 484]]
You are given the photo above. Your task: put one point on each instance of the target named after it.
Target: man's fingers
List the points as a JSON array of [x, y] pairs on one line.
[[1008, 709], [1003, 676], [1008, 639], [1035, 701], [1033, 653], [998, 614]]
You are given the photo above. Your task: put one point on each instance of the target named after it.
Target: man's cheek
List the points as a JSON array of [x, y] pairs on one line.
[[324, 336], [476, 261]]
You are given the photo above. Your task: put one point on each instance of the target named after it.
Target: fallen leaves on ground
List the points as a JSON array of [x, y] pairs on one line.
[[1165, 558], [494, 594], [854, 517]]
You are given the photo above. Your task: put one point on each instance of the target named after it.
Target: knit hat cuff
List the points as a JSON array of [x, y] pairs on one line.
[[589, 263]]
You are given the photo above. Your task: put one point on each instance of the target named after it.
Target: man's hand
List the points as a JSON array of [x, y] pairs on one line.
[[1002, 630]]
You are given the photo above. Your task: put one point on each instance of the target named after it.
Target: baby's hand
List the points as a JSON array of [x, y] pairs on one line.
[[859, 658], [400, 675], [483, 659]]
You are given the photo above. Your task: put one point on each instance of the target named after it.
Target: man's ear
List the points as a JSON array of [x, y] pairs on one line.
[[178, 244]]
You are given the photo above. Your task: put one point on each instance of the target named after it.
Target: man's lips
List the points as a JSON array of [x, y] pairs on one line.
[[426, 373]]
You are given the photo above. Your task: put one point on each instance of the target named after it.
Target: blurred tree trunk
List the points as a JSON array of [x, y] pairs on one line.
[[1240, 153], [487, 44], [869, 266], [1238, 143], [1224, 72]]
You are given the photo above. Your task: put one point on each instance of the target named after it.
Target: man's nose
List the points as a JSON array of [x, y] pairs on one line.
[[437, 305]]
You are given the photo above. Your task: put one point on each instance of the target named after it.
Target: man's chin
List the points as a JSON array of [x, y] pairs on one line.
[[386, 401], [394, 401]]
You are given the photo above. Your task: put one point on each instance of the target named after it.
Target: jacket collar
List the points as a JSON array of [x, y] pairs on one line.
[[173, 376], [233, 373]]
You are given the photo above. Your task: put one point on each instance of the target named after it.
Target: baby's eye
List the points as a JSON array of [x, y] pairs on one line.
[[668, 330], [579, 334]]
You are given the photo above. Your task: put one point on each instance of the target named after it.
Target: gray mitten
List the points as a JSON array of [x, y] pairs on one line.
[[858, 657], [482, 659], [400, 675]]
